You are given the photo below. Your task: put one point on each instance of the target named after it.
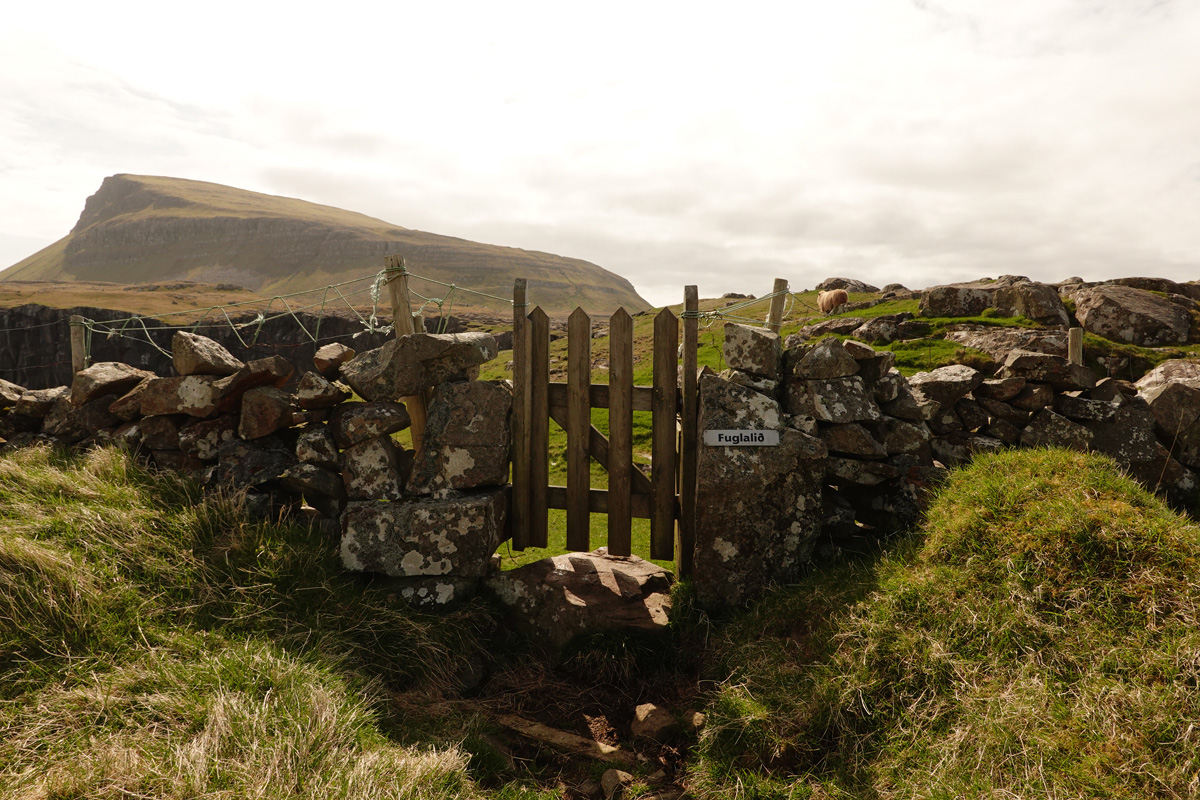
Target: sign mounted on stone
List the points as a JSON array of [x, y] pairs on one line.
[[741, 438]]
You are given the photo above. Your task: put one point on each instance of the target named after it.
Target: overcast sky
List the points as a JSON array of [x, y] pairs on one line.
[[909, 141]]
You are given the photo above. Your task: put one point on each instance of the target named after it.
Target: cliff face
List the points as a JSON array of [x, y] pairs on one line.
[[139, 229]]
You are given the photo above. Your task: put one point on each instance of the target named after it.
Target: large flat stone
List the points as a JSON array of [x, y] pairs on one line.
[[410, 364], [466, 438]]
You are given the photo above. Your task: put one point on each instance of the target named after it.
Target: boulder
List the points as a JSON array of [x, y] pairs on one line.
[[38, 402], [265, 410], [329, 359], [316, 445], [558, 598], [314, 391], [1036, 301], [105, 378], [957, 299], [452, 536], [199, 355], [352, 423], [999, 342], [946, 385], [833, 400], [1043, 368], [274, 371], [839, 325], [202, 439], [758, 508], [375, 469], [410, 364], [1125, 314], [753, 350], [247, 465], [1172, 371], [852, 439], [195, 395], [849, 284], [878, 329], [827, 359], [466, 438]]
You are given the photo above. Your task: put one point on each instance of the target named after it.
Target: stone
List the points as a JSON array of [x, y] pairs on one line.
[[958, 447], [758, 508], [911, 406], [1134, 316], [410, 364], [945, 421], [763, 385], [38, 402], [175, 461], [161, 433], [946, 385], [310, 480], [1083, 410], [827, 359], [1003, 430], [194, 395], [753, 350], [1001, 389], [1175, 370], [887, 387], [613, 783], [436, 593], [316, 445], [1048, 429], [105, 378], [1111, 389], [843, 326], [876, 367], [273, 371], [833, 400], [654, 723], [352, 423], [900, 436], [849, 284], [467, 433], [71, 424], [265, 410], [694, 721], [202, 439], [852, 439], [957, 299], [198, 355], [313, 391], [1036, 301], [971, 414], [878, 329], [1033, 397], [247, 465], [329, 359], [852, 472], [10, 394], [1043, 368], [375, 469], [558, 598], [425, 537], [997, 410], [999, 342]]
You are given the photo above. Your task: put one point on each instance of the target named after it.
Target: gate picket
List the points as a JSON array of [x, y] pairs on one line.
[[620, 433], [579, 423], [662, 469]]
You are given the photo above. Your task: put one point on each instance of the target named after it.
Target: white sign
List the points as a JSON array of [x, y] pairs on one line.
[[741, 438]]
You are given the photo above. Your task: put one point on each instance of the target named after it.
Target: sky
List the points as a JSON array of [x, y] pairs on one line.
[[895, 141]]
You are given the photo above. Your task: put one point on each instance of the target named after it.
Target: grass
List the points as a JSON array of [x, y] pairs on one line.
[[1038, 639]]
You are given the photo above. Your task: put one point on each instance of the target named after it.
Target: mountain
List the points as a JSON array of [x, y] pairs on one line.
[[140, 229]]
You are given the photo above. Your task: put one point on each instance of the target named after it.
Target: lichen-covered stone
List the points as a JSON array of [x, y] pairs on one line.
[[162, 433], [753, 350], [758, 508], [38, 402], [314, 391], [827, 359], [329, 358], [375, 469], [246, 465], [1083, 410], [273, 371], [1001, 389], [1047, 429], [946, 385], [900, 436], [105, 378], [558, 598], [70, 423], [833, 400], [1033, 397], [852, 439], [194, 395], [410, 364], [453, 536], [316, 445], [265, 410], [1044, 368], [971, 414], [960, 446], [352, 423], [466, 438], [764, 385], [309, 480], [198, 355], [202, 439], [1134, 316]]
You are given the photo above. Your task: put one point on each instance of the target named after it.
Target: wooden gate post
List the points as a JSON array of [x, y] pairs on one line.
[[78, 344], [402, 323], [775, 316], [685, 534], [520, 419], [1075, 345]]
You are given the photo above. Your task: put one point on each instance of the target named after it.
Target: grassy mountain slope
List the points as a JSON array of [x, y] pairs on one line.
[[139, 229]]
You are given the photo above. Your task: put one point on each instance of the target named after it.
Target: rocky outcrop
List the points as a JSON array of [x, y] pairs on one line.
[[1134, 316]]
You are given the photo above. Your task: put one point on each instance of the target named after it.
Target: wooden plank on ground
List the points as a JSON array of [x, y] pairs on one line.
[[685, 531], [567, 742], [520, 418], [579, 422], [663, 456], [620, 432], [539, 426]]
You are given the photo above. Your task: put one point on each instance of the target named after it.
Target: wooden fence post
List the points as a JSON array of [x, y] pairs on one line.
[[520, 418], [685, 535], [775, 316], [663, 455], [620, 427], [78, 344], [539, 427], [402, 323], [579, 425], [1075, 345]]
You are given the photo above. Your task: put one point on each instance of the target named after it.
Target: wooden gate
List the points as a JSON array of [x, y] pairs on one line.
[[667, 495]]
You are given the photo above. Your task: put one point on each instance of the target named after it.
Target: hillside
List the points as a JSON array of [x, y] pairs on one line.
[[141, 229]]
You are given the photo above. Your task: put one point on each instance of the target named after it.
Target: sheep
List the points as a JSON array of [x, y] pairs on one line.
[[829, 301]]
